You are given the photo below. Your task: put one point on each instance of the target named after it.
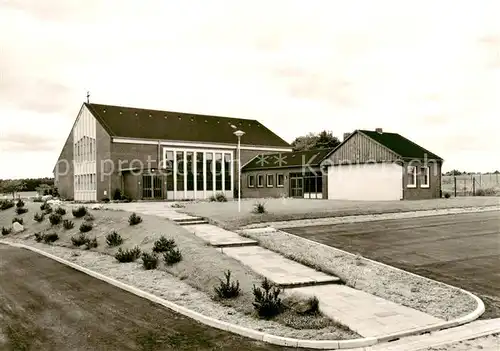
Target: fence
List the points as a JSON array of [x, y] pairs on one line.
[[471, 184]]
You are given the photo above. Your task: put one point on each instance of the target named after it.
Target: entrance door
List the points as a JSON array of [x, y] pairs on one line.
[[152, 187], [297, 187]]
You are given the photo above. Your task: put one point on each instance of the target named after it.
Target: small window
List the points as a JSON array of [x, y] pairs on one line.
[[270, 180], [251, 181], [424, 177], [412, 176], [260, 181], [280, 179]]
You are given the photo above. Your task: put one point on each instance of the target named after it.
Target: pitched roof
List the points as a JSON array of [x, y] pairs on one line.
[[128, 122], [311, 158], [402, 146]]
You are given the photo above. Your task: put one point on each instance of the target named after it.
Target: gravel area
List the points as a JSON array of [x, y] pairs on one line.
[[487, 343], [428, 296], [226, 213]]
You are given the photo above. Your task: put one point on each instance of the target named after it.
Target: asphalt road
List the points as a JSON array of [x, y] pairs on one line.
[[45, 305], [461, 250]]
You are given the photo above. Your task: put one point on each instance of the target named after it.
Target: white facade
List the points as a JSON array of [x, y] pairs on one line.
[[194, 173], [84, 156], [370, 182]]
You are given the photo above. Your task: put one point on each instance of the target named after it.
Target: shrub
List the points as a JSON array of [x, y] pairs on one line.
[[267, 302], [55, 219], [79, 212], [61, 211], [163, 244], [172, 256], [117, 195], [486, 192], [149, 261], [21, 210], [177, 205], [39, 217], [129, 255], [91, 243], [313, 304], [114, 239], [105, 200], [18, 220], [38, 237], [48, 210], [227, 289], [134, 219], [20, 203], [259, 207], [50, 238], [79, 240], [37, 199], [6, 231], [6, 204], [447, 195], [67, 224], [89, 217], [85, 227], [218, 197], [44, 206]]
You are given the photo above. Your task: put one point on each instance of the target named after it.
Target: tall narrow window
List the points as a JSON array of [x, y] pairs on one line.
[[209, 166], [180, 170], [218, 171], [279, 180], [424, 177], [270, 180], [412, 177], [227, 172], [199, 171], [190, 171], [169, 166]]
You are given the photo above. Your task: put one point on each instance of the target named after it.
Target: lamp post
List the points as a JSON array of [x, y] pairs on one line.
[[239, 134]]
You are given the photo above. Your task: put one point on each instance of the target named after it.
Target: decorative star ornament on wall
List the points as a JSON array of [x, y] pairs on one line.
[[262, 160], [280, 160]]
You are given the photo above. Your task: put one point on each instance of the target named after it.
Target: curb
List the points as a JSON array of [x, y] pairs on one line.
[[250, 333], [480, 308]]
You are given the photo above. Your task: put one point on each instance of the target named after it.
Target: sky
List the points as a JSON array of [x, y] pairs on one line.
[[429, 70]]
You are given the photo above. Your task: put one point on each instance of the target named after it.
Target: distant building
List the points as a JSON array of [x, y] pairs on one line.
[[149, 154]]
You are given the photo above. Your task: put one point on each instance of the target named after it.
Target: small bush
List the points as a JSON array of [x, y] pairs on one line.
[[227, 289], [6, 231], [44, 206], [67, 224], [486, 192], [259, 207], [177, 205], [218, 197], [39, 217], [55, 219], [6, 204], [91, 243], [149, 261], [89, 217], [50, 238], [38, 237], [313, 303], [20, 203], [21, 210], [79, 240], [79, 212], [114, 239], [172, 256], [48, 210], [267, 302], [85, 227], [117, 195], [134, 219], [37, 199], [447, 195], [131, 255], [60, 211], [18, 220], [163, 244]]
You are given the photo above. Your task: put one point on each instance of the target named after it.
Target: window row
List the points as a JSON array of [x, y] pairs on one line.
[[85, 149], [414, 173], [270, 180], [86, 182], [201, 170]]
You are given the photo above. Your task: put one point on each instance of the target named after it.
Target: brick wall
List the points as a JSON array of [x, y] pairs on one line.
[[64, 170], [265, 191], [418, 193]]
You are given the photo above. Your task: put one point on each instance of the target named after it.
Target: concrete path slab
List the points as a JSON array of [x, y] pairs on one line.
[[469, 331], [366, 314], [278, 269], [217, 236]]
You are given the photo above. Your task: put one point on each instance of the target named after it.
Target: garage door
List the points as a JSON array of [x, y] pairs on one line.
[[381, 181]]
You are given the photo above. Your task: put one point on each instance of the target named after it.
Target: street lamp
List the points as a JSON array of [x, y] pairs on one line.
[[239, 134]]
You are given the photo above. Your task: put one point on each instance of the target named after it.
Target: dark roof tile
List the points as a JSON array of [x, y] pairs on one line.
[[311, 158]]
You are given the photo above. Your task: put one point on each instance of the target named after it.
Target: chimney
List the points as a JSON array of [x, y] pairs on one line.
[[346, 135], [379, 130]]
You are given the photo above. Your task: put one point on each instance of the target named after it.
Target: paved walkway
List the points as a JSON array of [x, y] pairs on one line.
[[469, 331], [218, 237]]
